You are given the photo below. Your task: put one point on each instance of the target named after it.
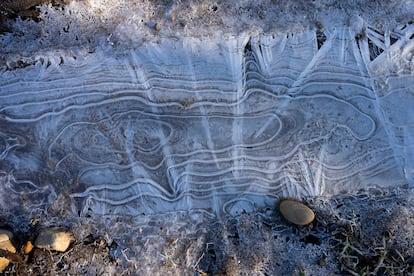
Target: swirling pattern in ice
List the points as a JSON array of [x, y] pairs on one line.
[[222, 126]]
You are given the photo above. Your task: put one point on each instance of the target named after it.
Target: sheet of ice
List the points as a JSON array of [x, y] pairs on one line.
[[221, 125]]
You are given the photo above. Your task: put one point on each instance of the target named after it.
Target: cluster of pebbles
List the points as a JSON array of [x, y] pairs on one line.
[[52, 238]]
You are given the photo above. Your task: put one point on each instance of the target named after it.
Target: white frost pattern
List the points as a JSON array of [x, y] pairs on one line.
[[216, 125]]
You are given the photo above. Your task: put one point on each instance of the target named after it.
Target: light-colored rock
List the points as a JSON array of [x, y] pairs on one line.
[[5, 235], [5, 241], [6, 244], [4, 263], [28, 247], [157, 27], [54, 238], [296, 212]]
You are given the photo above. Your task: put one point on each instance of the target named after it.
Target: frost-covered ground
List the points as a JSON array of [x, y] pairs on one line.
[[163, 133]]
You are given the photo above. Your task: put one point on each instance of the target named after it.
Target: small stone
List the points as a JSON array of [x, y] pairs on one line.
[[6, 245], [4, 263], [5, 241], [173, 17], [157, 27], [54, 238], [296, 212], [28, 247]]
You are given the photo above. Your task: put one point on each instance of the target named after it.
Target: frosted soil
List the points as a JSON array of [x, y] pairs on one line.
[[370, 233], [163, 133]]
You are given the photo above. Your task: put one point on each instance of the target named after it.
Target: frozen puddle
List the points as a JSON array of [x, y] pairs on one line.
[[215, 125]]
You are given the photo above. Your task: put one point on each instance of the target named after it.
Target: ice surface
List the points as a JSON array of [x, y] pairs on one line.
[[216, 124]]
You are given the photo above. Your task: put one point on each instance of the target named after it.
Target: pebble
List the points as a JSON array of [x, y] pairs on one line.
[[157, 27], [173, 17], [54, 238], [5, 241], [296, 212], [6, 244], [4, 263], [28, 247]]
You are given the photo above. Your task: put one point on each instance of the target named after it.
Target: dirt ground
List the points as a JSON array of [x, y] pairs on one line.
[[351, 235]]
